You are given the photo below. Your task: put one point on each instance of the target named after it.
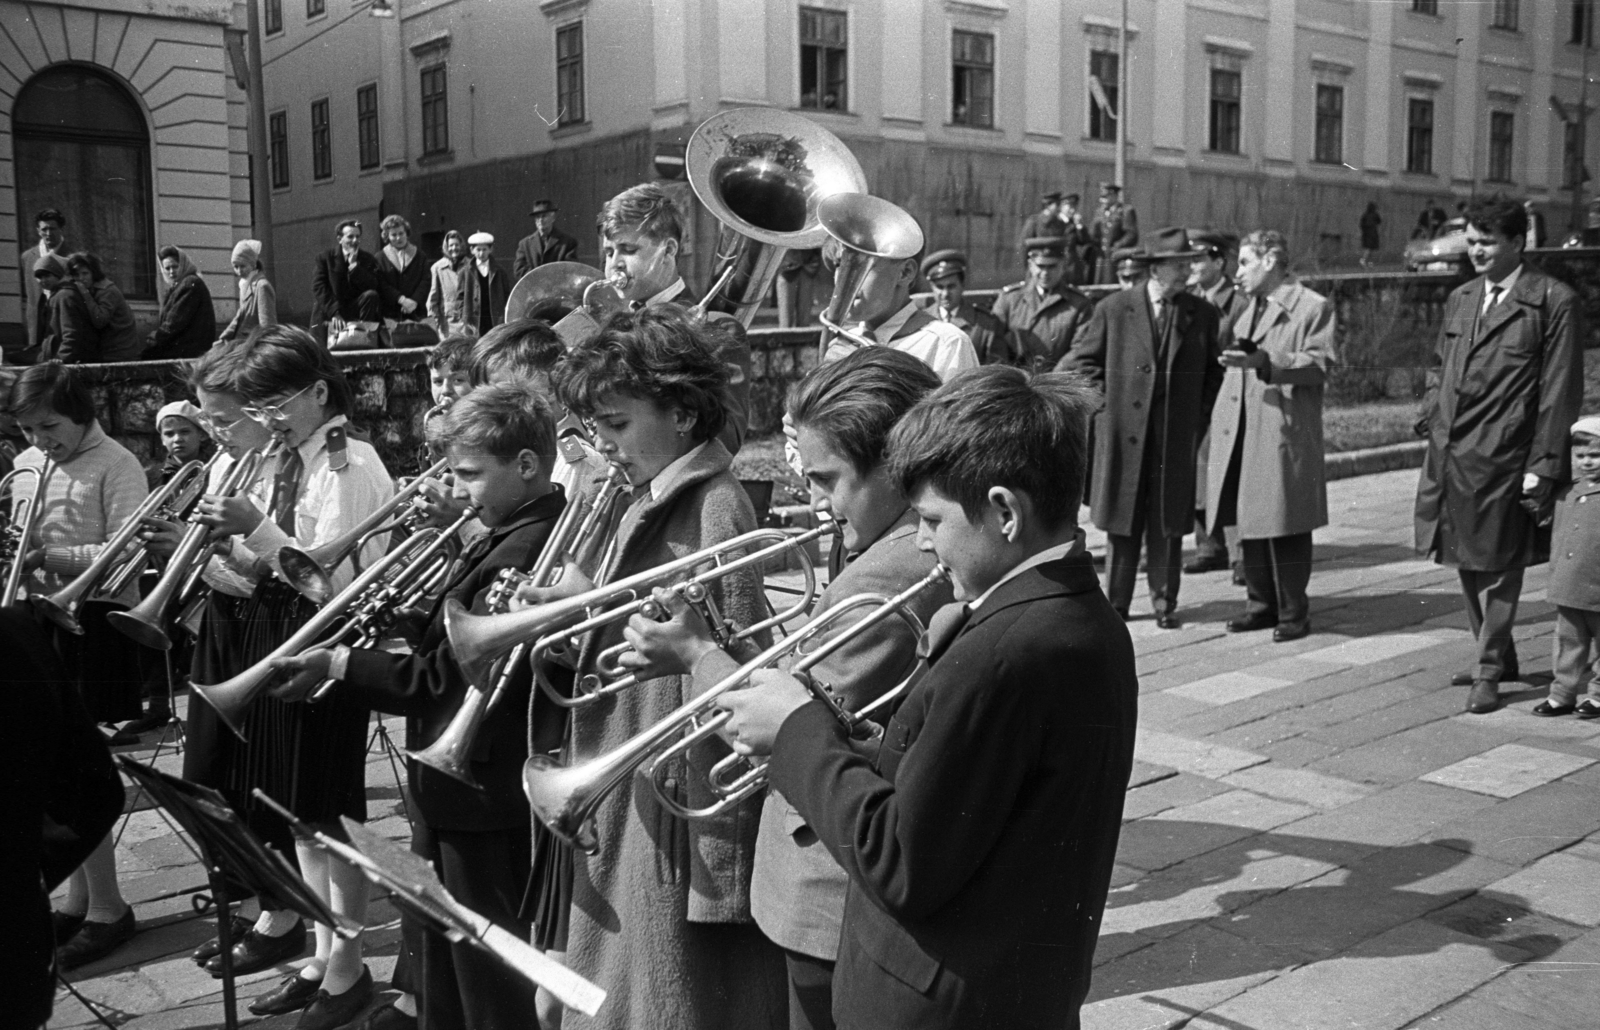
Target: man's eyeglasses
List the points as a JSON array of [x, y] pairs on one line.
[[216, 428], [272, 412]]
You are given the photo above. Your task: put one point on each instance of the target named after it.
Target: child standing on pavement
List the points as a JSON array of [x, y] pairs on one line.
[[1575, 581]]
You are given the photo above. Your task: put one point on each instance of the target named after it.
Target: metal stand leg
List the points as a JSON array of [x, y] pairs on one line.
[[230, 1001]]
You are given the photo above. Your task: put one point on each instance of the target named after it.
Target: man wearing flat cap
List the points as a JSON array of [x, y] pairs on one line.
[[1042, 313], [545, 244], [1152, 351], [1115, 226], [946, 273], [1208, 280], [484, 289]]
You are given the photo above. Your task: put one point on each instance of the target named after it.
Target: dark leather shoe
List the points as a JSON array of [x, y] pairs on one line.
[[97, 940], [1511, 674], [1485, 697], [65, 924], [1249, 622], [1548, 710], [293, 993], [1588, 709], [1284, 632], [1169, 620], [208, 951], [153, 721], [331, 1011], [387, 1017], [256, 951], [1205, 563]]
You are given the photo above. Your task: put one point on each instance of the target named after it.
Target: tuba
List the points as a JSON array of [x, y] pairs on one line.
[[762, 174], [573, 297], [869, 232], [565, 797], [18, 529]]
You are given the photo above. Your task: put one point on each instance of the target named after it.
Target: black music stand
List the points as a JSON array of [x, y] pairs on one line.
[[414, 886], [228, 848]]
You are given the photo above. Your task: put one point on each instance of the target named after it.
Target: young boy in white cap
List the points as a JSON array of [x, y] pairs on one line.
[[484, 286], [1575, 581]]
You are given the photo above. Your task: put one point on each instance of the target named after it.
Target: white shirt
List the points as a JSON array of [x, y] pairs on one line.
[[667, 294], [1504, 286], [941, 346], [1049, 554], [234, 573]]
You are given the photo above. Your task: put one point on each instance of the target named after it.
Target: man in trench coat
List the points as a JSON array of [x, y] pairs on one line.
[[1508, 385], [1152, 351], [1265, 475]]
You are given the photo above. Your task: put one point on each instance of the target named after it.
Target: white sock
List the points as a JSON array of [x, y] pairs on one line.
[[275, 922], [312, 970], [406, 1003]]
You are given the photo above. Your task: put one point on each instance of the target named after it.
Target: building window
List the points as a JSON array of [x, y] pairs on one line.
[[435, 115], [1505, 15], [972, 82], [271, 16], [1582, 22], [81, 145], [1104, 82], [1425, 6], [278, 135], [316, 8], [367, 125], [1571, 166], [321, 141], [1226, 91], [1501, 124], [824, 52], [569, 75], [1419, 136], [1330, 125]]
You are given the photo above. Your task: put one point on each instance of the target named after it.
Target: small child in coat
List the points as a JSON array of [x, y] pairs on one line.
[[1575, 581]]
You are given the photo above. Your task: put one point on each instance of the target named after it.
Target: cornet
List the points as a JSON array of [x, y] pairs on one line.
[[18, 528], [169, 511], [146, 623], [310, 572], [357, 611], [572, 532], [554, 626], [565, 797], [870, 232]]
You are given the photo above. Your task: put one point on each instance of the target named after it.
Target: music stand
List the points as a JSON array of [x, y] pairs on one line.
[[414, 886], [228, 848]]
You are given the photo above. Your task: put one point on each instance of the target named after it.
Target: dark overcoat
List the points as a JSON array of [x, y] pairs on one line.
[[991, 340], [534, 250], [1504, 393], [1042, 327], [1157, 403], [335, 287]]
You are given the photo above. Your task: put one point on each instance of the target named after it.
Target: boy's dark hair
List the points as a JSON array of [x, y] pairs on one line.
[[50, 214], [656, 354], [280, 359], [1500, 215], [854, 402], [1585, 440], [999, 426], [54, 386], [84, 259], [452, 354], [501, 420], [217, 370], [524, 346], [646, 208]]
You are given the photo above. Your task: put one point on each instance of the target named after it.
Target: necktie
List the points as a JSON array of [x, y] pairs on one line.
[[943, 628], [286, 489], [1493, 298]]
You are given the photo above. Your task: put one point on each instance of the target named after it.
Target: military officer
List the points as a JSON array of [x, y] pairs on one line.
[[946, 273], [1044, 222], [1115, 227], [1042, 313]]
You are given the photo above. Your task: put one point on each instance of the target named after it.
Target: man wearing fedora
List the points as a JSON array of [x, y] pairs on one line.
[[946, 273], [1115, 227], [1152, 351], [1042, 313], [545, 244]]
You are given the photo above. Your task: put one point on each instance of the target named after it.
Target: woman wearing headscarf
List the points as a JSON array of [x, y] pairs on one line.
[[108, 309], [258, 301], [187, 326], [444, 305]]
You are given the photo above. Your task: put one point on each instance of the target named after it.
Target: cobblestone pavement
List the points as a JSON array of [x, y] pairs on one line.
[[1317, 836]]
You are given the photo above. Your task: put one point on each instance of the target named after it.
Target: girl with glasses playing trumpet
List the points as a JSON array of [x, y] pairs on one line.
[[310, 758], [92, 486], [660, 917]]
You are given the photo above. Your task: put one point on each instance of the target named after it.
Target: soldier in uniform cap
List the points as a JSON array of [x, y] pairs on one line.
[[1208, 280], [545, 244], [1132, 266], [1042, 313], [946, 273], [1115, 227], [1045, 222]]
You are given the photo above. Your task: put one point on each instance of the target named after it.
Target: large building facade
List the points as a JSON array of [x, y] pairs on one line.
[[1289, 113], [128, 119]]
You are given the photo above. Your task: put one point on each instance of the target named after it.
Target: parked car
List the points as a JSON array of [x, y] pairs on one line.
[[1444, 253]]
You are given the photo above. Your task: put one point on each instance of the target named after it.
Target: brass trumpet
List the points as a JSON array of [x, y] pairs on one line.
[[565, 797], [146, 622], [310, 572], [170, 510], [554, 626], [18, 528], [870, 232], [577, 526], [360, 609]]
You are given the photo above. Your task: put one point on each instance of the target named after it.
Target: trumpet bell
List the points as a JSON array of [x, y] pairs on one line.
[[564, 798]]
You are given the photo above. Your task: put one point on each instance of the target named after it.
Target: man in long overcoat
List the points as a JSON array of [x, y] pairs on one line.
[[1508, 385], [1042, 313], [1153, 353], [1265, 475], [544, 245]]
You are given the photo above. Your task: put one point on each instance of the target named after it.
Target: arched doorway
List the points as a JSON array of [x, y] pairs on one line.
[[82, 146]]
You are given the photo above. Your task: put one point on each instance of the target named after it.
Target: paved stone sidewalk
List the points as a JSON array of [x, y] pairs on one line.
[[1316, 836]]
